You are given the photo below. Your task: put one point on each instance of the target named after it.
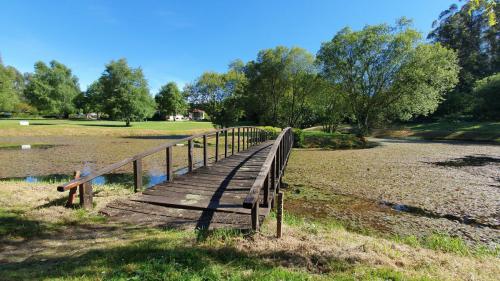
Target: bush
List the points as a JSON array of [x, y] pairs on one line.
[[298, 138], [487, 92], [318, 139]]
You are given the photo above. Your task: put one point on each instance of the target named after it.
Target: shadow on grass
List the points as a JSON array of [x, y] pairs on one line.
[[468, 161], [149, 259], [13, 224], [106, 125], [159, 137]]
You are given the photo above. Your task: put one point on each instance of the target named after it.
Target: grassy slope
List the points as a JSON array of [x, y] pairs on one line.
[[44, 127], [42, 240], [473, 131]]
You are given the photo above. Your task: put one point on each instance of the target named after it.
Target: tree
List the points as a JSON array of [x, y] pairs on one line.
[[51, 89], [329, 105], [487, 93], [281, 80], [11, 88], [170, 100], [123, 92], [467, 30], [386, 73], [219, 95]]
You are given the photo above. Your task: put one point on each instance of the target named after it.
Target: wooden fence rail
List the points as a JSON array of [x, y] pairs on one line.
[[269, 177], [245, 137]]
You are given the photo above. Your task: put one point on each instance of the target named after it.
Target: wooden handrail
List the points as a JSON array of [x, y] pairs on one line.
[[270, 174], [136, 159]]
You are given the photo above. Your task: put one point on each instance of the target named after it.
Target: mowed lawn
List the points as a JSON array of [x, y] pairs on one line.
[[50, 127]]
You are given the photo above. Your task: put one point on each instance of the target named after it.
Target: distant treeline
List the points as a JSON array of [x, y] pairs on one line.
[[369, 77]]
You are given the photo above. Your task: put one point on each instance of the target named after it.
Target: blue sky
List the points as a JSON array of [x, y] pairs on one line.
[[178, 40]]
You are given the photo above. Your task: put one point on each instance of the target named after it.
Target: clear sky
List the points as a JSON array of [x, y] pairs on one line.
[[178, 40]]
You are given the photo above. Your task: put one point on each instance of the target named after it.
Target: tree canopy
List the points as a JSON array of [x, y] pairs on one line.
[[170, 100], [11, 88], [52, 88], [123, 92], [387, 73]]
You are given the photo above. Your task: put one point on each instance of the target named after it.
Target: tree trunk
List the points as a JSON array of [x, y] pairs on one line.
[[127, 122]]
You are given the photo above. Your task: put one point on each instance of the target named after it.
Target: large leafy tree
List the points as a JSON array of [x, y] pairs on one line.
[[11, 88], [170, 100], [52, 88], [469, 31], [123, 93], [387, 73], [219, 95], [281, 81]]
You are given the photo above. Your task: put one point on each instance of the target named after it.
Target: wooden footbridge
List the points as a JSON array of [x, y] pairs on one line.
[[236, 189]]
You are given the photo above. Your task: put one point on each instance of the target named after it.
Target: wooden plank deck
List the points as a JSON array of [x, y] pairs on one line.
[[209, 197]]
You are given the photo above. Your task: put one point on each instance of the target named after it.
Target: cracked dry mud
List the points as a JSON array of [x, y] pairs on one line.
[[402, 187]]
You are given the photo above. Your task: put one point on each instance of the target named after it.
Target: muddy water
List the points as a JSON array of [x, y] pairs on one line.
[[402, 187], [65, 154]]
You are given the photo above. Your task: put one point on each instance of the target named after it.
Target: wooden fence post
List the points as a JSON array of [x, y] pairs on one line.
[[255, 217], [86, 195], [279, 215], [137, 175]]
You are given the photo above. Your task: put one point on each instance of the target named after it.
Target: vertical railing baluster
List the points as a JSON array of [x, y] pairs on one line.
[[225, 144], [205, 151], [137, 175], [216, 146], [232, 141], [238, 139], [190, 156], [170, 174]]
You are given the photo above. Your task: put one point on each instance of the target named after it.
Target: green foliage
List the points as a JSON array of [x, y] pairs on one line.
[[467, 31], [282, 83], [387, 73], [487, 94], [219, 95], [318, 139], [52, 88], [123, 93], [170, 100], [11, 88]]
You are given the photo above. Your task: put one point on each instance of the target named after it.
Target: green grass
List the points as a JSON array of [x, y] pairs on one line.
[[53, 126], [446, 130]]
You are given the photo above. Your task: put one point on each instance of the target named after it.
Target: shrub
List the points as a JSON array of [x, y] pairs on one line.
[[487, 92]]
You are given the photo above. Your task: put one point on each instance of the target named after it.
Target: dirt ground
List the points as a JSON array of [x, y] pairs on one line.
[[402, 187]]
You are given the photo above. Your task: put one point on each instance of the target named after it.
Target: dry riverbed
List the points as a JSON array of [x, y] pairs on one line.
[[402, 188]]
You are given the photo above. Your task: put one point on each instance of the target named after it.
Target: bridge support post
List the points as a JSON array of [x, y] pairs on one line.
[[266, 192], [72, 192], [255, 217], [86, 195], [279, 215]]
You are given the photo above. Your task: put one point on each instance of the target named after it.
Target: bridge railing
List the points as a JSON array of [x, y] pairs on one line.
[[234, 139], [270, 176]]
